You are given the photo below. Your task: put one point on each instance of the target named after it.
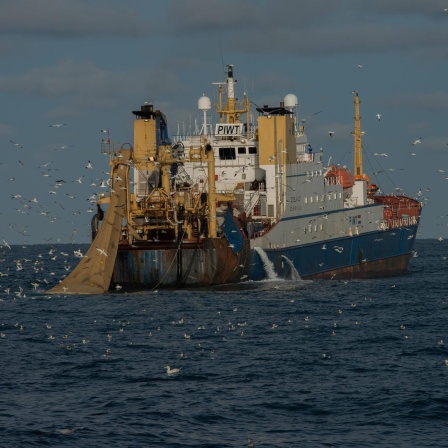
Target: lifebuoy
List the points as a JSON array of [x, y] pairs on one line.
[[387, 213]]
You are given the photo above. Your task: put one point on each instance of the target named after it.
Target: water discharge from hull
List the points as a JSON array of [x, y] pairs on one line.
[[294, 274], [267, 264]]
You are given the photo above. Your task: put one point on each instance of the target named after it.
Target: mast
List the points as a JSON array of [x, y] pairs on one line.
[[358, 146], [233, 108], [230, 95]]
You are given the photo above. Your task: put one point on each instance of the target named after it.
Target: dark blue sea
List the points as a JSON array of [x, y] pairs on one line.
[[266, 364]]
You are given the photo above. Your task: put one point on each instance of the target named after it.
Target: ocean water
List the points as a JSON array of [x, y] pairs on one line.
[[266, 364]]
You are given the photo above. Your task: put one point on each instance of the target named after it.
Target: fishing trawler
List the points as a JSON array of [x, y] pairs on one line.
[[238, 200]]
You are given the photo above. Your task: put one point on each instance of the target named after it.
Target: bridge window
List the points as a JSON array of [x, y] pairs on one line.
[[227, 153], [252, 150], [241, 150]]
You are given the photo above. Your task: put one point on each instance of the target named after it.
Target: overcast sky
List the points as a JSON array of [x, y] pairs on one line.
[[88, 63]]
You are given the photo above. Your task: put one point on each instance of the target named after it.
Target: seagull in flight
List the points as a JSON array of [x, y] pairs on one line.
[[102, 252], [378, 116], [89, 165], [419, 140], [45, 164], [16, 144], [78, 254], [330, 133], [57, 125]]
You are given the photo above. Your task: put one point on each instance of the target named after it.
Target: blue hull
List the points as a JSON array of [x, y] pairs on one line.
[[370, 255]]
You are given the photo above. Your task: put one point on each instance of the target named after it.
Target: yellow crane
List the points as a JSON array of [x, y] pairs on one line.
[[359, 174]]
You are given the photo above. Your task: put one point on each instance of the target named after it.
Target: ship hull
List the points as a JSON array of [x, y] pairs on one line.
[[212, 262], [198, 263], [380, 268], [370, 255]]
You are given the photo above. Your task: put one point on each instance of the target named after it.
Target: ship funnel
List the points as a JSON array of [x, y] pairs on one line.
[[146, 111]]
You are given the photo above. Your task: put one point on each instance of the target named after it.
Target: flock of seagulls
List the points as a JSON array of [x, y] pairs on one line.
[[59, 198], [56, 206], [378, 116], [52, 196], [56, 197], [224, 332], [413, 144], [196, 338]]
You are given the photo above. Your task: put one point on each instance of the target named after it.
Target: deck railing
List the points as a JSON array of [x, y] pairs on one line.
[[395, 223]]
